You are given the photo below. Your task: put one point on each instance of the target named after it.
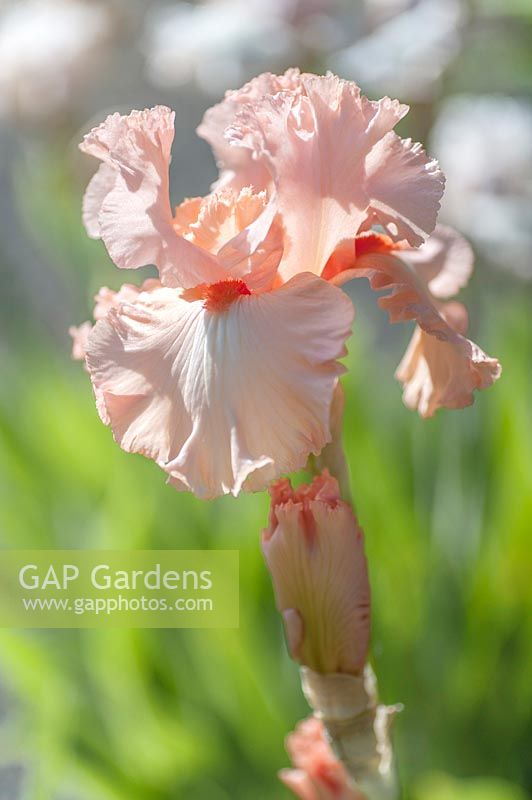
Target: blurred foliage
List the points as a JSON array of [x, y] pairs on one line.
[[441, 787]]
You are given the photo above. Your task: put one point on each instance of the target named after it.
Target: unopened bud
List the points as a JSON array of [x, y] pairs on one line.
[[314, 549], [318, 774]]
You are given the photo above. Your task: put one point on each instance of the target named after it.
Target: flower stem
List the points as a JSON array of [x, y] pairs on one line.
[[332, 457], [358, 727]]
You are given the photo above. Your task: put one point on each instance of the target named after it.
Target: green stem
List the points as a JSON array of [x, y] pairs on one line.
[[358, 728], [332, 457]]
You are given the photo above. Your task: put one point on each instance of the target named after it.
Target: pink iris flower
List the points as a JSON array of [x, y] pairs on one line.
[[371, 201], [223, 370]]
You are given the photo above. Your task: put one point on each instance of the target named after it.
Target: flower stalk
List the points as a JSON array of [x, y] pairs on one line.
[[358, 727], [332, 457], [314, 548]]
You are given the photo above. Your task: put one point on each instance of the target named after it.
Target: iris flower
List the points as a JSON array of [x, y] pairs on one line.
[[223, 370]]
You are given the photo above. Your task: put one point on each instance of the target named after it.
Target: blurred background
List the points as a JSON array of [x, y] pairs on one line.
[[446, 503]]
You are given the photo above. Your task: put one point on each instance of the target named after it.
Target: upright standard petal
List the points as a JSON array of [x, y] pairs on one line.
[[315, 142], [242, 229], [405, 187], [237, 165], [223, 390], [335, 162], [442, 367], [132, 213]]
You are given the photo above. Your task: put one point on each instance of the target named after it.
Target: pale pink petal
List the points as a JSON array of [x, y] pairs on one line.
[[441, 373], [223, 398], [238, 167], [106, 298], [186, 214], [299, 783], [255, 253], [80, 336], [241, 229], [314, 549], [104, 301], [465, 367], [405, 187], [135, 218], [210, 222], [315, 142], [318, 773], [99, 187], [444, 262]]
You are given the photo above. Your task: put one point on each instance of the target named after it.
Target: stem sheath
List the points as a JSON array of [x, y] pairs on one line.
[[358, 727]]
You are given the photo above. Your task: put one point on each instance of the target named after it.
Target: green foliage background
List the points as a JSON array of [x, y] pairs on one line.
[[447, 509]]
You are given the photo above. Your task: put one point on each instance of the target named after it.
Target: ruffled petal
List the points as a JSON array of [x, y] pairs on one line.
[[186, 214], [318, 773], [238, 167], [219, 399], [443, 373], [241, 229], [80, 337], [444, 262], [405, 187], [211, 222], [255, 253], [315, 142], [99, 187], [104, 301], [106, 298], [464, 366], [134, 219]]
